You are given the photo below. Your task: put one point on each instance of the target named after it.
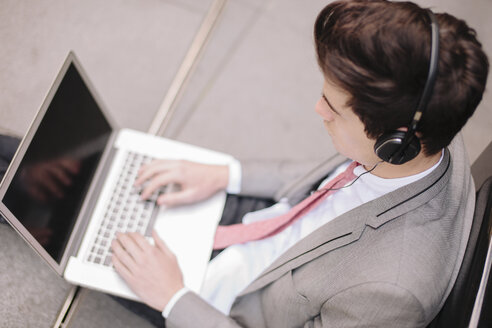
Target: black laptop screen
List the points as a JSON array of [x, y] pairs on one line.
[[50, 184]]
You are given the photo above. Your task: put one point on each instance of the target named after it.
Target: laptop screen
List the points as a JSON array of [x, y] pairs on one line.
[[50, 184]]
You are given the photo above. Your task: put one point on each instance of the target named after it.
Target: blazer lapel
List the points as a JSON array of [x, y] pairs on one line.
[[339, 232], [348, 227]]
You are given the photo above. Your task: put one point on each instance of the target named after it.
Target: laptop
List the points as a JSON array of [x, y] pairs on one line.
[[70, 187]]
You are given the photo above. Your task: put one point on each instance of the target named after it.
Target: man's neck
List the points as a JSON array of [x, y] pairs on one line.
[[417, 165]]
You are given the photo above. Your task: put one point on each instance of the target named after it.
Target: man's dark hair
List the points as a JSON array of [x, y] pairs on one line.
[[378, 51]]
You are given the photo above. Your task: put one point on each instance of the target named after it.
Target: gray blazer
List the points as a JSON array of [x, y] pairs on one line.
[[388, 263]]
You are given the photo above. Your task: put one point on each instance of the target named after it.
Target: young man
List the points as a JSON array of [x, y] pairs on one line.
[[384, 250]]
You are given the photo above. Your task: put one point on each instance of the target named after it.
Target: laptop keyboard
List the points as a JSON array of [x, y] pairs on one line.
[[125, 212]]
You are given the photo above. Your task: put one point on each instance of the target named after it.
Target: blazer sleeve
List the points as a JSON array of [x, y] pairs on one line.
[[192, 311], [264, 178], [375, 304], [283, 178]]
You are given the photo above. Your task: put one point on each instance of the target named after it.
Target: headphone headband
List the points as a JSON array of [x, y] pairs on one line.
[[399, 147], [431, 76]]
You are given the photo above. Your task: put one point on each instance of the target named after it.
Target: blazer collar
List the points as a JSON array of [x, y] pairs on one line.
[[348, 227]]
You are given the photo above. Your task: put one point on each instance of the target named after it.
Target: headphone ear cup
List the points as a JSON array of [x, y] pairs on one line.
[[390, 143]]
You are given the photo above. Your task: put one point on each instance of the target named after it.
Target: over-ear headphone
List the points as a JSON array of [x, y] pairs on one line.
[[398, 147]]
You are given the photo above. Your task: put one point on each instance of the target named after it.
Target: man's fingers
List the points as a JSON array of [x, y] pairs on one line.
[[181, 197], [140, 240], [147, 171], [122, 255], [122, 270], [130, 246], [157, 182]]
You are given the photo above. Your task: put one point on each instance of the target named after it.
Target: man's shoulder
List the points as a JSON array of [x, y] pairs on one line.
[[418, 247]]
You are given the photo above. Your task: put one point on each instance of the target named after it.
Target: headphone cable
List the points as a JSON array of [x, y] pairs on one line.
[[368, 171]]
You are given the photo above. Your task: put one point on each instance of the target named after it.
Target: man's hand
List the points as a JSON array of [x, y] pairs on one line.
[[196, 181], [152, 272]]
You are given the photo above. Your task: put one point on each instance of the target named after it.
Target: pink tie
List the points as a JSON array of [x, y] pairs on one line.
[[241, 233]]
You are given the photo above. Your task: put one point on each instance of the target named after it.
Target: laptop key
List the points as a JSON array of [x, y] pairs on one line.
[[107, 260]]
